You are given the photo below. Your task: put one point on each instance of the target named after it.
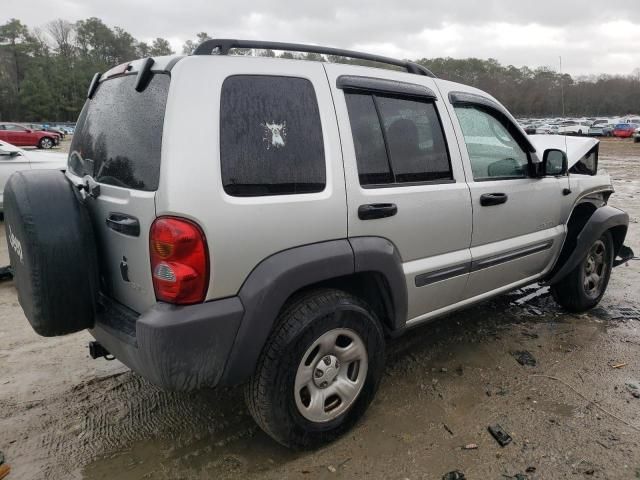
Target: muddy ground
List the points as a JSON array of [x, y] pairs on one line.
[[65, 416]]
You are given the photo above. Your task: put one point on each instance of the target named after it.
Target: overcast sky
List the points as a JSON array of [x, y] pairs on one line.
[[593, 36]]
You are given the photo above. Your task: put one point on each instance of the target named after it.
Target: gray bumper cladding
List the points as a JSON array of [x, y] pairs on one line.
[[177, 348]]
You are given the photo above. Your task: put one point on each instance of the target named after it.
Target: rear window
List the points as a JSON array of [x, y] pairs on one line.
[[271, 139], [118, 137]]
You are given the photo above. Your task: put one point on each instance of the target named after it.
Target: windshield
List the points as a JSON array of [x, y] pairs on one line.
[[118, 137]]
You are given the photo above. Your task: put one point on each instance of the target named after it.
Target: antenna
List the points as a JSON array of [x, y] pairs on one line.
[[566, 147], [562, 86]]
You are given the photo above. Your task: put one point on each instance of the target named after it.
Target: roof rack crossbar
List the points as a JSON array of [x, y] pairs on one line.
[[222, 46]]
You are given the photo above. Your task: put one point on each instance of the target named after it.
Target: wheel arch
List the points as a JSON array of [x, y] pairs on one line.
[[368, 267], [587, 223]]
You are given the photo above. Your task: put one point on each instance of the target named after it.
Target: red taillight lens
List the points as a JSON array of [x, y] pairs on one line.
[[179, 261]]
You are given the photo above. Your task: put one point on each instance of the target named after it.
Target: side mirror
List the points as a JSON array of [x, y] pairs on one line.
[[28, 130], [554, 163]]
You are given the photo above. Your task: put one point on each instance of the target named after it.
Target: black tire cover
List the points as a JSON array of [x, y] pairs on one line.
[[52, 250]]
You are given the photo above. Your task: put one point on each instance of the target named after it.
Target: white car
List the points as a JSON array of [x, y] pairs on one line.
[[573, 127], [13, 159]]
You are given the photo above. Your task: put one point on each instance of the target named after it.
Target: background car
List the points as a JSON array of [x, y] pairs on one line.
[[572, 127], [13, 159], [45, 128], [636, 136], [624, 130], [21, 136]]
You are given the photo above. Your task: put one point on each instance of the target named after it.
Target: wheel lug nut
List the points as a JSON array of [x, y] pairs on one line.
[[327, 361], [318, 373]]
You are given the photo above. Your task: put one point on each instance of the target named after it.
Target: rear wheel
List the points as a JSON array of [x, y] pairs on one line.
[[319, 370], [45, 143], [585, 285]]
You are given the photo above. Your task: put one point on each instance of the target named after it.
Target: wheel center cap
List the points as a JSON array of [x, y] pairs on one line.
[[326, 371]]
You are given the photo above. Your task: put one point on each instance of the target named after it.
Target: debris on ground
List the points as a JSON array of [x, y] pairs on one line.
[[446, 427], [331, 468], [497, 432], [455, 475], [4, 468], [524, 358], [633, 389], [619, 365], [6, 273], [531, 470], [470, 446]]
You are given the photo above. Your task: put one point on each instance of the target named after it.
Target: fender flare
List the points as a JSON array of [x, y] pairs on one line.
[[279, 276], [603, 219]]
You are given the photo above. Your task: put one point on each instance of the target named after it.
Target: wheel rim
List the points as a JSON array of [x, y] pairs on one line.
[[594, 270], [46, 143], [331, 375]]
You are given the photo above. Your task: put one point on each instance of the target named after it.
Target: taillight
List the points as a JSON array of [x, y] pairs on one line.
[[179, 261]]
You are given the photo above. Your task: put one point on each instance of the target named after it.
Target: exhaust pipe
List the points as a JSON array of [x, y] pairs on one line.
[[96, 350]]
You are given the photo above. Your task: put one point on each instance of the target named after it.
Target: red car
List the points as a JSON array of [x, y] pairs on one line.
[[21, 136], [624, 130]]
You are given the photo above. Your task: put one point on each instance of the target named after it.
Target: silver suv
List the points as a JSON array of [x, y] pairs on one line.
[[228, 219]]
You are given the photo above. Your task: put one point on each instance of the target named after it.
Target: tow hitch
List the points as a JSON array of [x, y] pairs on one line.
[[96, 350]]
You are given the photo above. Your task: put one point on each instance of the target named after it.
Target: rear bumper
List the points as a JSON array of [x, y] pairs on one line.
[[176, 348]]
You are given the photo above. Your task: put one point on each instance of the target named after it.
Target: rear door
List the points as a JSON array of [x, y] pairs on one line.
[[118, 142], [404, 179]]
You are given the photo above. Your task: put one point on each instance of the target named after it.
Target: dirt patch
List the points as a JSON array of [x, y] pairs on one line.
[[63, 415]]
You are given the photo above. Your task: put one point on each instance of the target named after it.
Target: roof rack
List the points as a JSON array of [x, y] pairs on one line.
[[221, 46]]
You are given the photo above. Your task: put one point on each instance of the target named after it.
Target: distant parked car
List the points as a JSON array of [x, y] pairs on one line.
[[22, 136], [13, 159], [45, 128], [68, 129], [601, 130], [636, 136], [624, 130], [572, 127]]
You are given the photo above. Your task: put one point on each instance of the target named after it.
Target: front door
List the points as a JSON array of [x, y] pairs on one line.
[[404, 180], [517, 228]]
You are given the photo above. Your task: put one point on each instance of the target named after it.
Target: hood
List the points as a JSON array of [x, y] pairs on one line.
[[574, 147], [54, 159]]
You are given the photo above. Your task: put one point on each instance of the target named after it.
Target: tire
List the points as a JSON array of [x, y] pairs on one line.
[[293, 356], [52, 250], [578, 291], [45, 143]]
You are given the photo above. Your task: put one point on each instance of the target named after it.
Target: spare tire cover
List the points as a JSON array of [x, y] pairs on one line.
[[52, 250]]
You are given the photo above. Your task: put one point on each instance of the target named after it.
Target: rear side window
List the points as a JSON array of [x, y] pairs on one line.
[[270, 137], [397, 140], [118, 138]]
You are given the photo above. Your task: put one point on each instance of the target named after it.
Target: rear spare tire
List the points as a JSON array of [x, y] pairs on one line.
[[52, 251]]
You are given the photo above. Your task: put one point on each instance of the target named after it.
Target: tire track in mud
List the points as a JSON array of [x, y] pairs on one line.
[[104, 416]]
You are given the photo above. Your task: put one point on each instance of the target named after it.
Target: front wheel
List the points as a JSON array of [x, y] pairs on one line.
[[45, 143], [319, 369], [585, 285]]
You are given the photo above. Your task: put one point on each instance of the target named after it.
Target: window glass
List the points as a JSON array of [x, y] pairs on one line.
[[397, 140], [415, 140], [371, 153], [271, 139], [16, 128], [118, 138], [493, 151]]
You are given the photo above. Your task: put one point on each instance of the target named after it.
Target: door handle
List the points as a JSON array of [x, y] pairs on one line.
[[372, 211], [488, 199], [124, 224]]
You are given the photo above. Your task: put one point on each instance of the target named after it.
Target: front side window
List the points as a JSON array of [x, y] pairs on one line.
[[271, 139], [493, 152], [397, 140]]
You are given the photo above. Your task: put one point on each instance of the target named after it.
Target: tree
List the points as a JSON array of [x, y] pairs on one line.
[[190, 45], [160, 47], [61, 32]]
